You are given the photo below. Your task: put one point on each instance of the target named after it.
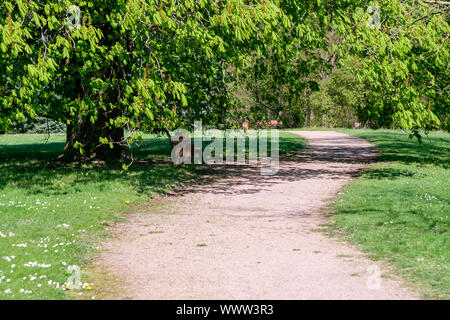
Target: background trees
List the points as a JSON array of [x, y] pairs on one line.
[[338, 100]]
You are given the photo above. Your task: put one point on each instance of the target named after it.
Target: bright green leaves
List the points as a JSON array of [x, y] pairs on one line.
[[79, 146], [137, 64], [178, 91], [34, 51], [105, 141], [404, 64]]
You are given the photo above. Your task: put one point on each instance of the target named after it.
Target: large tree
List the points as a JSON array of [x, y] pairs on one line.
[[105, 67]]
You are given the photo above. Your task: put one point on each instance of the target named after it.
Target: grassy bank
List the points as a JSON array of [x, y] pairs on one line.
[[52, 215], [399, 210]]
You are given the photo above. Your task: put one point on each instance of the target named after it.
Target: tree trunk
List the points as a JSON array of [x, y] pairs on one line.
[[87, 135]]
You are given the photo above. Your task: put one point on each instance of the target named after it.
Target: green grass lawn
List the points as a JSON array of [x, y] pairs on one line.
[[52, 214], [399, 210]]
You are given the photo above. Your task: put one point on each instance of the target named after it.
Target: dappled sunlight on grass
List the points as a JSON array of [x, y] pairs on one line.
[[52, 214], [396, 146]]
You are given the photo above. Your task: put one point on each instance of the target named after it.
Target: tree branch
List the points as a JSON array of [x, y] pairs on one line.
[[443, 3]]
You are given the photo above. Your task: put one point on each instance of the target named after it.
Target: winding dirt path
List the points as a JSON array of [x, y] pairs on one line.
[[249, 236]]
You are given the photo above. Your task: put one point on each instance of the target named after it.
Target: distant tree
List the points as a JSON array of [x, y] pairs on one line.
[[339, 98]]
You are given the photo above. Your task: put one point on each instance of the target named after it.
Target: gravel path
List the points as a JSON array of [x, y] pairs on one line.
[[249, 236]]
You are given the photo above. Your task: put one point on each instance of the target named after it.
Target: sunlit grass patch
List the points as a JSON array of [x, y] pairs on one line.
[[399, 209]]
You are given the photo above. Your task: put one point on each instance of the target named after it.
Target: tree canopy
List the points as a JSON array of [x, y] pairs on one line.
[[109, 67]]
